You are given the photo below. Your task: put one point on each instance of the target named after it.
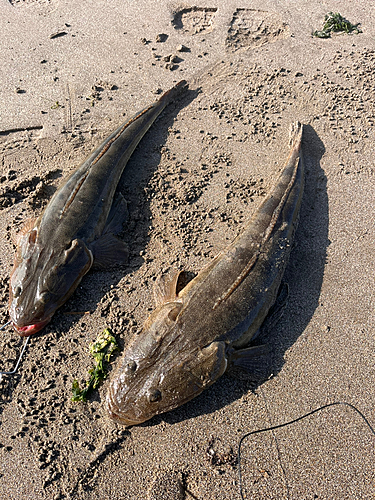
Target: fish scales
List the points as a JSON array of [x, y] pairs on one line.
[[189, 340]]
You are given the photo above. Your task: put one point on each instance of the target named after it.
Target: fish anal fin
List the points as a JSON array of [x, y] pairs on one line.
[[276, 311], [167, 287], [117, 216], [108, 251]]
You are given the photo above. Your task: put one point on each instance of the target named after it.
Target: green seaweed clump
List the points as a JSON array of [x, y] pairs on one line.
[[336, 23], [101, 350]]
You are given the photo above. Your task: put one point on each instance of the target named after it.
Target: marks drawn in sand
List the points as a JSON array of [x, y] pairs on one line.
[[251, 27], [194, 20], [20, 3], [39, 188]]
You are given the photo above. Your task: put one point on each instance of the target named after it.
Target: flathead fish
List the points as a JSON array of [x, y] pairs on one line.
[[198, 331], [76, 229]]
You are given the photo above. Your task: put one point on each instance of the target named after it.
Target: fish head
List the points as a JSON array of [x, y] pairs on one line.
[[162, 369], [42, 279]]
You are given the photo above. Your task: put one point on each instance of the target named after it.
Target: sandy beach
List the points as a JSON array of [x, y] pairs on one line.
[[74, 71]]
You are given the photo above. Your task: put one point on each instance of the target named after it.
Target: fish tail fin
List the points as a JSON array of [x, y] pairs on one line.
[[175, 91], [295, 135]]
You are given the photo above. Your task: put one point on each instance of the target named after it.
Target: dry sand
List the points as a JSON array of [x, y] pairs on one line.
[[70, 73]]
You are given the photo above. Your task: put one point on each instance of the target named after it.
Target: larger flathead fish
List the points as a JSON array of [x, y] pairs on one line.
[[197, 332], [76, 230]]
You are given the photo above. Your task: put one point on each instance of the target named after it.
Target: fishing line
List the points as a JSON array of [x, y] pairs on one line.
[[6, 324], [19, 358], [266, 429]]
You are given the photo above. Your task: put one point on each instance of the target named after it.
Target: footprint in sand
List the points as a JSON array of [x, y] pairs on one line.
[[251, 27], [194, 20]]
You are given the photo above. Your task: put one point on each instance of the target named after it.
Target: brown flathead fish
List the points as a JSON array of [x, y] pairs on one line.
[[76, 230], [197, 332]]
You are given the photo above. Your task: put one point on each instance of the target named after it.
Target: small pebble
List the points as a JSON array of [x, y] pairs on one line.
[[58, 34], [162, 37], [182, 48], [171, 66]]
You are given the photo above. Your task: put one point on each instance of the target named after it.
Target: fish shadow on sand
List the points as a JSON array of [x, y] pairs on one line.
[[135, 178], [304, 275]]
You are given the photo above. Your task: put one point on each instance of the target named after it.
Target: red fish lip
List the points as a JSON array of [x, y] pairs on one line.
[[26, 331]]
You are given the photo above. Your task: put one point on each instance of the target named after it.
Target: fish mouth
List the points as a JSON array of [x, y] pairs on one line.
[[26, 331], [119, 419]]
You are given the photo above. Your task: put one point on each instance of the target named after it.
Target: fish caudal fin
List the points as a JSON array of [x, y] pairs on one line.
[[175, 91], [295, 134]]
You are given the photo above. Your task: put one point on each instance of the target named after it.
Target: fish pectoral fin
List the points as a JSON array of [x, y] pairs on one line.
[[167, 287], [117, 216], [210, 364], [253, 360], [109, 251]]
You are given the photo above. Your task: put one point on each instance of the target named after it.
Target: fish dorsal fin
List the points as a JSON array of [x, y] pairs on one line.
[[184, 278], [27, 226], [167, 287]]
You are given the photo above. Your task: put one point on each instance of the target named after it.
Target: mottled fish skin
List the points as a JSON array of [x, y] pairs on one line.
[[194, 334], [76, 229]]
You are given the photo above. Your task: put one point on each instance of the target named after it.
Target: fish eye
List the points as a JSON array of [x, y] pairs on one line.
[[154, 395], [17, 291], [130, 367], [44, 297]]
